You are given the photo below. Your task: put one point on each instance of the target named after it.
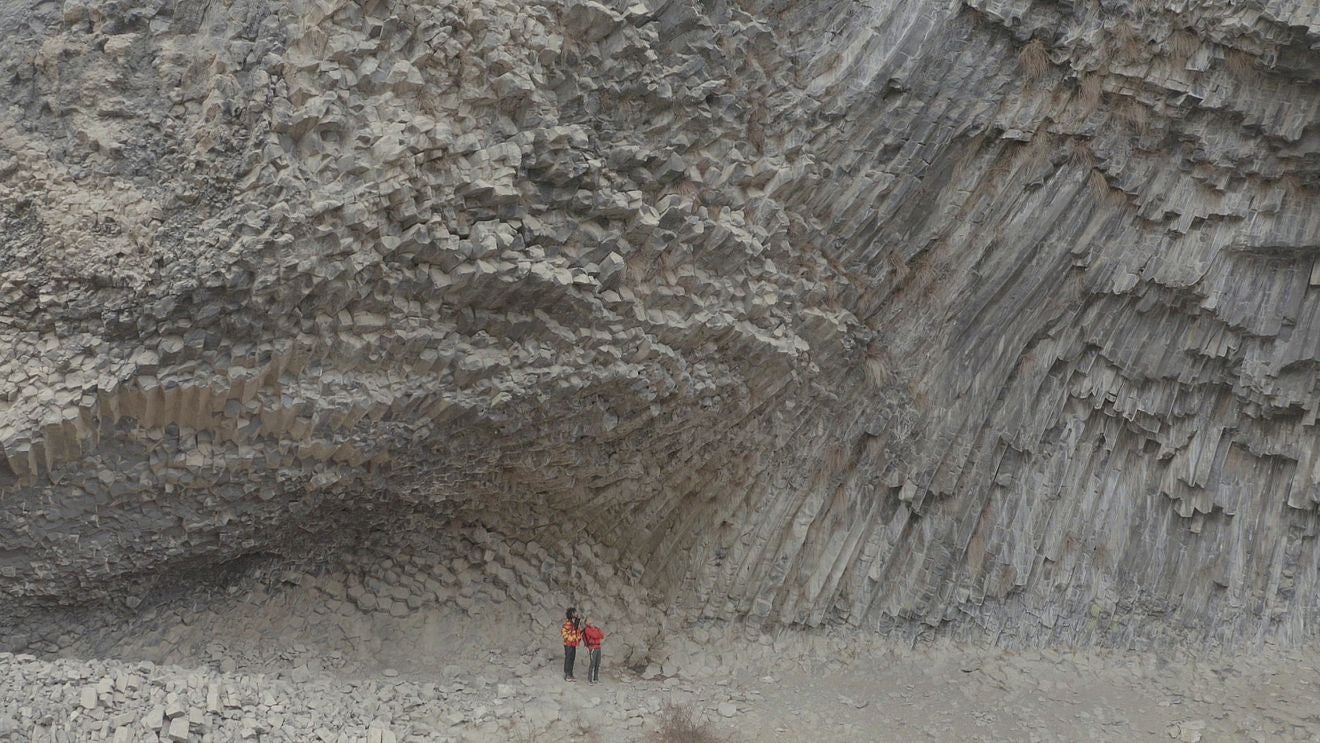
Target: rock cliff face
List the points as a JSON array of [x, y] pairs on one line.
[[995, 317]]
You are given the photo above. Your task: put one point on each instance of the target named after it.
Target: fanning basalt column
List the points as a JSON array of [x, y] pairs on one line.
[[999, 318]]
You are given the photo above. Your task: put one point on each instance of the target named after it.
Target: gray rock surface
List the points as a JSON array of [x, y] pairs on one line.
[[996, 318], [893, 695]]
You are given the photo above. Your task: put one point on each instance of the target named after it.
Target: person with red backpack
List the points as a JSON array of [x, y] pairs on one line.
[[592, 637], [572, 634]]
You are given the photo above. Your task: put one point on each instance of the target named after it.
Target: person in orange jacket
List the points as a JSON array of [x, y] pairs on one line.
[[572, 634], [592, 636]]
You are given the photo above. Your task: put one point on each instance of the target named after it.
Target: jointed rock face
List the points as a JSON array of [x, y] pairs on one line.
[[999, 317]]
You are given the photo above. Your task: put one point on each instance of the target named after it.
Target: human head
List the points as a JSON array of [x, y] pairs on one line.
[[570, 613]]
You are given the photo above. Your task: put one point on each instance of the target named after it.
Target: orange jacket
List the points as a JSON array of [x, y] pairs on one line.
[[593, 636], [572, 636]]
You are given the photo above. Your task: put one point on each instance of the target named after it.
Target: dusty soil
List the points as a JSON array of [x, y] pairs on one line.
[[950, 693]]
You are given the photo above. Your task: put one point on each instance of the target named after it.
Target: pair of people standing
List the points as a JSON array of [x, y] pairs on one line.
[[577, 630]]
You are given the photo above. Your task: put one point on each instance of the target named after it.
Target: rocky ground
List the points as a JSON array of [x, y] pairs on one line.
[[443, 640], [934, 693], [454, 637]]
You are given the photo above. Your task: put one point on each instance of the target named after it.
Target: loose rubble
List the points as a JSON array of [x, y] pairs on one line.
[[880, 693]]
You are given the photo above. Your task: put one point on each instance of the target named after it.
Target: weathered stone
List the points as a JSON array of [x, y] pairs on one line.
[[178, 730], [993, 319]]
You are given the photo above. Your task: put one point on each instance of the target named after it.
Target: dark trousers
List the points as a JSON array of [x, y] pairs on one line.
[[570, 652], [593, 670]]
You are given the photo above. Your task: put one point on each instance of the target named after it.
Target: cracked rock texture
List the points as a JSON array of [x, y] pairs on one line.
[[994, 318]]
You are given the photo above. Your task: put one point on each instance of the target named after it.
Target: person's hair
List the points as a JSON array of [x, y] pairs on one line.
[[569, 614]]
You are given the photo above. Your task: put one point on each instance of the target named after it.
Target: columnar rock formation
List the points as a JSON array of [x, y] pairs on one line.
[[993, 317]]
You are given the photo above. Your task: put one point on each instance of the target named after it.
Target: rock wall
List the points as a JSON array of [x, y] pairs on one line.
[[993, 318]]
